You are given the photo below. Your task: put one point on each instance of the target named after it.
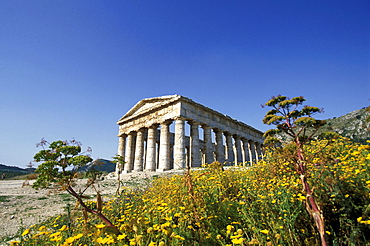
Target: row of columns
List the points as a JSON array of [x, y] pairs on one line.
[[139, 157]]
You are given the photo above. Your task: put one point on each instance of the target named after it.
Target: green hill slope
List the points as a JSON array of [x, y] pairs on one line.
[[13, 171]]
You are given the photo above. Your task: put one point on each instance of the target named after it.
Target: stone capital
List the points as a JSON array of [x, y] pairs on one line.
[[154, 126], [216, 130], [193, 123], [179, 118], [166, 122], [205, 126]]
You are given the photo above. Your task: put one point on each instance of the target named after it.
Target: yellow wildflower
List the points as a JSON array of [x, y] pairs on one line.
[[41, 228], [237, 240], [25, 232], [122, 236], [13, 243], [100, 226], [63, 228], [70, 240]]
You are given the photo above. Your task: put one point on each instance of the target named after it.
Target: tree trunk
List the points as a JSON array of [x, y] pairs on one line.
[[311, 205]]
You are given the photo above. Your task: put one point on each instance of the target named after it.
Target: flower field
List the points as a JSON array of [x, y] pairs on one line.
[[258, 205]]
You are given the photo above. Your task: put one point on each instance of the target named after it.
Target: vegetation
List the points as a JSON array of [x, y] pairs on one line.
[[300, 127], [61, 161], [260, 205], [270, 203], [4, 199], [11, 172]]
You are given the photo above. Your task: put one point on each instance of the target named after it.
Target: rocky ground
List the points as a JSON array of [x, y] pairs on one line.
[[22, 206]]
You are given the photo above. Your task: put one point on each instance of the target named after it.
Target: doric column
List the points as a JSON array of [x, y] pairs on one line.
[[130, 151], [262, 151], [220, 150], [121, 144], [121, 152], [208, 147], [151, 148], [229, 149], [195, 159], [238, 150], [179, 146], [139, 151], [252, 151], [258, 151], [246, 157], [164, 147]]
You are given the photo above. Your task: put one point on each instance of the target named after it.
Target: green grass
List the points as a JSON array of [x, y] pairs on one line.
[[65, 197], [4, 198]]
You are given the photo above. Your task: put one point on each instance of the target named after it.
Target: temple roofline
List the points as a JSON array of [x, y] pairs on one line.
[[172, 99]]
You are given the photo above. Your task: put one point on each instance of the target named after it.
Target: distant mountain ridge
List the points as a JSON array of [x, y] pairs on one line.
[[12, 171], [99, 165]]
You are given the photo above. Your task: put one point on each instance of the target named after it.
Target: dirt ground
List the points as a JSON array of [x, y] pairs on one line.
[[22, 206]]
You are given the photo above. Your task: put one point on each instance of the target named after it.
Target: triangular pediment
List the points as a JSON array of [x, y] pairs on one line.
[[147, 105]]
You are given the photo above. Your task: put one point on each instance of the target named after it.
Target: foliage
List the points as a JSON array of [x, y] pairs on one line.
[[290, 119], [60, 163], [297, 122], [120, 162], [259, 205]]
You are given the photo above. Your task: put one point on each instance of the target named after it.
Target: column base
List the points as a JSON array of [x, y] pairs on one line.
[[161, 170], [137, 171]]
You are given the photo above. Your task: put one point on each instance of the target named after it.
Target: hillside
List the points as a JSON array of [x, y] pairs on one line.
[[99, 165], [14, 171], [353, 125]]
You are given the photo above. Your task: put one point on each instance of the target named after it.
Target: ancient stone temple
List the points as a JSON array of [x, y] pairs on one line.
[[174, 132]]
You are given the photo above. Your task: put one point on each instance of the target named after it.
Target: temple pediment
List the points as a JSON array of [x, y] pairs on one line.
[[148, 105], [156, 110]]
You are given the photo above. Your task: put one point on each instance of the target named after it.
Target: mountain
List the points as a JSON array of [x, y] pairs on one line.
[[99, 165], [14, 171], [354, 125]]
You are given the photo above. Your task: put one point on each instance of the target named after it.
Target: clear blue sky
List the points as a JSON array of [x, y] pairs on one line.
[[71, 69]]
